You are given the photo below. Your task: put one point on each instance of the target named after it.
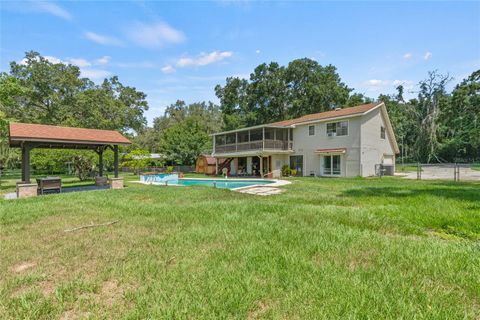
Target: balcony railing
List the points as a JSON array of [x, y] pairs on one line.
[[261, 145]]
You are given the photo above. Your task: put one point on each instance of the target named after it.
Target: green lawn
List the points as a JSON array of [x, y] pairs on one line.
[[326, 248]]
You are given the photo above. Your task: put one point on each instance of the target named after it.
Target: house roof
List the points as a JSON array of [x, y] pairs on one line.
[[29, 132], [328, 114]]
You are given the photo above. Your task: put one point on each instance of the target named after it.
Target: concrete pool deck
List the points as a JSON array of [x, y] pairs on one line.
[[255, 189]]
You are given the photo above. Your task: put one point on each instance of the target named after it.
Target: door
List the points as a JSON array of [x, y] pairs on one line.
[[332, 165], [296, 162]]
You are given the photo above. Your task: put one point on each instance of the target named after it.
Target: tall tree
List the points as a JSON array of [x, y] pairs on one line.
[[431, 97], [460, 119], [39, 91], [276, 93]]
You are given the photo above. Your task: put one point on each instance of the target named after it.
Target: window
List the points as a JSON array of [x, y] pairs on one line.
[[337, 128], [311, 130], [382, 132]]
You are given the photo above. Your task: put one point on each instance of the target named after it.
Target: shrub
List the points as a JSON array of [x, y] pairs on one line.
[[293, 172], [169, 169], [286, 171]]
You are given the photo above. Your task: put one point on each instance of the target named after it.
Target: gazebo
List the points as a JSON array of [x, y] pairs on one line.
[[28, 136]]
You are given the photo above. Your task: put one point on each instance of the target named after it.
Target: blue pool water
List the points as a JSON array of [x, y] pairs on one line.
[[222, 183]]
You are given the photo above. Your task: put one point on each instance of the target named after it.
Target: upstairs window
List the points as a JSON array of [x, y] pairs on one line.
[[335, 129], [382, 132], [311, 130]]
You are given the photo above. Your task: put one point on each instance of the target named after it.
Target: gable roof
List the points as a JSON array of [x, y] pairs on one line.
[[47, 133], [329, 114]]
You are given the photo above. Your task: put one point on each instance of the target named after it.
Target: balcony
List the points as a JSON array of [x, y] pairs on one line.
[[261, 140]]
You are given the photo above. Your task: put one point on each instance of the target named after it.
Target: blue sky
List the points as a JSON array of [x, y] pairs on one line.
[[181, 50]]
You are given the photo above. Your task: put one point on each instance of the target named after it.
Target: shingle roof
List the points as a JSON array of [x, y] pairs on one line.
[[41, 132], [328, 114]]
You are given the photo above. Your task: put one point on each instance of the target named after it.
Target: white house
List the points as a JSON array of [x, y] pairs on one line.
[[343, 142]]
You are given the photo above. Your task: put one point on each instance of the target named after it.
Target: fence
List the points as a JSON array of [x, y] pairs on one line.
[[445, 171]]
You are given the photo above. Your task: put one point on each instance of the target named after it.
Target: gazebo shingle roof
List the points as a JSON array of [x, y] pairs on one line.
[[49, 133]]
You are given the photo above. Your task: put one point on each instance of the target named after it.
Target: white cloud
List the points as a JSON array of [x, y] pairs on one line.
[[80, 62], [101, 39], [375, 83], [427, 55], [168, 69], [407, 55], [257, 51], [51, 8], [103, 60], [204, 59], [95, 74], [155, 35], [378, 84]]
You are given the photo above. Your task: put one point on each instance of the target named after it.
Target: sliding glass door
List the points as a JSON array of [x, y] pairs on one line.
[[332, 165]]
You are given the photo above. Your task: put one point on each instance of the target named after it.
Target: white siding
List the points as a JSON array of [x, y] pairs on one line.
[[306, 145], [373, 146]]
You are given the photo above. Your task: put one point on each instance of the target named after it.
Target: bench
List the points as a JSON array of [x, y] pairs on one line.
[[49, 184]]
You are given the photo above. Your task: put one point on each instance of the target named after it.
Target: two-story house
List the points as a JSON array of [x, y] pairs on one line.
[[343, 142]]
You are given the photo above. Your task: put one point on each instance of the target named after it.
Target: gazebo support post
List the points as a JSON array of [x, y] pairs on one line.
[[116, 182], [100, 180], [115, 160], [100, 163], [26, 163], [25, 188]]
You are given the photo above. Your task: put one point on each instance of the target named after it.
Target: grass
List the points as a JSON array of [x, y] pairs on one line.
[[326, 248]]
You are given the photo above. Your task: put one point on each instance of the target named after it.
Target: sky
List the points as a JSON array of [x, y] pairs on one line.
[[182, 50]]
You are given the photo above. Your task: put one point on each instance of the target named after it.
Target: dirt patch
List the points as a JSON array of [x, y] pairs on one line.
[[23, 266], [259, 311], [110, 293], [361, 260], [47, 287]]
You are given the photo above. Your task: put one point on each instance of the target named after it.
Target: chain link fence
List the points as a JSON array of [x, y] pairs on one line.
[[441, 171]]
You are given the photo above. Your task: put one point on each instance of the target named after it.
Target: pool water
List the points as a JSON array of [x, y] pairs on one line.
[[222, 183]]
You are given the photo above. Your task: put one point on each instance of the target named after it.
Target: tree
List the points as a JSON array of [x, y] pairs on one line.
[[430, 99], [137, 159], [313, 88], [205, 115], [460, 119], [184, 141], [39, 91], [8, 156], [277, 93]]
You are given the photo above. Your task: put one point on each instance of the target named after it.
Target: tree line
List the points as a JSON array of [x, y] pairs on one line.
[[435, 126]]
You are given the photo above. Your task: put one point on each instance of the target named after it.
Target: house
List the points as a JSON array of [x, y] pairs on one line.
[[344, 142]]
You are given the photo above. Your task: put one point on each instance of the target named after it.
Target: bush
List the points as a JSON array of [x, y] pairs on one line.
[[293, 172], [286, 171], [169, 169]]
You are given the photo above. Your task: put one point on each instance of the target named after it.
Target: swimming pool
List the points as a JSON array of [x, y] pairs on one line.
[[222, 183]]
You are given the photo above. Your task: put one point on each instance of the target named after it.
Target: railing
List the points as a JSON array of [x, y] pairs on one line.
[[255, 145]]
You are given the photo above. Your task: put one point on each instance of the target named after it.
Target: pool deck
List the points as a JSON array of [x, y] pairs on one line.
[[256, 189]]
